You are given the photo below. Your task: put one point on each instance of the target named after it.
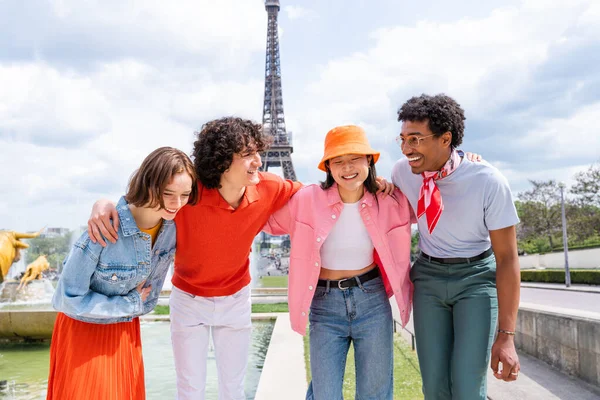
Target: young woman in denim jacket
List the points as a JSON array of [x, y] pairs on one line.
[[96, 348], [350, 251]]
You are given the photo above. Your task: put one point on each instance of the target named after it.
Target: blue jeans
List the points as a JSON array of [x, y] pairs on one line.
[[362, 315]]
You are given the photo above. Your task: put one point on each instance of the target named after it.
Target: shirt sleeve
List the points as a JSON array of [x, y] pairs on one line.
[[499, 209], [285, 190], [397, 181], [396, 176], [280, 222], [74, 296]]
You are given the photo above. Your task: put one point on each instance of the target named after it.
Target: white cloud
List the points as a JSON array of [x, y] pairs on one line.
[[299, 12], [223, 34], [487, 64], [68, 138], [37, 103], [574, 137], [92, 87]]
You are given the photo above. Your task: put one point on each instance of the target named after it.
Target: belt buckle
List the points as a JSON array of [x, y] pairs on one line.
[[340, 282]]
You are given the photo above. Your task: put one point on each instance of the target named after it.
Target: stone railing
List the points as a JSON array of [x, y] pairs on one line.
[[567, 339]]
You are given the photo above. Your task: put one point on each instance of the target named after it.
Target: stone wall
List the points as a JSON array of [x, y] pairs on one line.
[[26, 324], [570, 343], [588, 258]]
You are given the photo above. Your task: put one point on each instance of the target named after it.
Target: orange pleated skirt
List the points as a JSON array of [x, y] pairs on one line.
[[96, 361]]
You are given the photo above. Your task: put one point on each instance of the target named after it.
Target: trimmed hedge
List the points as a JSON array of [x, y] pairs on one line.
[[589, 277]]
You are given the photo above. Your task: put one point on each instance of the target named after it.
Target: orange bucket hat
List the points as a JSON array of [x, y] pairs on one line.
[[347, 139]]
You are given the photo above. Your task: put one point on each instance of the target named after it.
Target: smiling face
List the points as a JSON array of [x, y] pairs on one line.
[[243, 170], [350, 172], [431, 152], [175, 195]]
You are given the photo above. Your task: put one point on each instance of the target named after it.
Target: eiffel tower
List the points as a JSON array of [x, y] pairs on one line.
[[280, 152]]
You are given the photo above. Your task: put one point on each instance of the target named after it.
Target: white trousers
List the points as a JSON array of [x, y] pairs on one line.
[[192, 318]]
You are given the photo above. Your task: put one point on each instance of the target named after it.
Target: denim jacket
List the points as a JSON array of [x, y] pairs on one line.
[[98, 285]]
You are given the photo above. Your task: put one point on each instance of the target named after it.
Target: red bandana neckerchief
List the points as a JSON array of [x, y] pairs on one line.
[[430, 199]]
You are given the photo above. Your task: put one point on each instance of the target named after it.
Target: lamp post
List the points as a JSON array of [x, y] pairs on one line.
[[561, 185]]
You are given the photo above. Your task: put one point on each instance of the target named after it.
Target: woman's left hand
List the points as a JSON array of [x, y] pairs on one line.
[[385, 187]]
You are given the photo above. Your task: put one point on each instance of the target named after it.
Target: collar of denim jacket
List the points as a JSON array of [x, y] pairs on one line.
[[127, 222]]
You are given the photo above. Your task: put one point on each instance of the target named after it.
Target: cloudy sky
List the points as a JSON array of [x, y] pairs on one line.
[[88, 88]]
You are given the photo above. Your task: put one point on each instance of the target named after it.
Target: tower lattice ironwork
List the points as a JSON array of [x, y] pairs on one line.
[[280, 152]]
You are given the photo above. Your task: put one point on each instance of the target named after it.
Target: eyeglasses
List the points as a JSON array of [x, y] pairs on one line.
[[411, 141]]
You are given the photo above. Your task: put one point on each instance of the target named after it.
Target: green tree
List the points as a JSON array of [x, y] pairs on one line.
[[540, 212], [414, 243], [54, 248], [584, 213], [587, 186]]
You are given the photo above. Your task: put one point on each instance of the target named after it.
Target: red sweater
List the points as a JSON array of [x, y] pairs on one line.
[[214, 239]]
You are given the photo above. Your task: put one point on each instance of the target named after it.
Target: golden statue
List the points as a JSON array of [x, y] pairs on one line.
[[10, 249], [34, 271]]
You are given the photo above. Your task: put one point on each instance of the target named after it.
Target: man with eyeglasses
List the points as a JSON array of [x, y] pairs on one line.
[[467, 275]]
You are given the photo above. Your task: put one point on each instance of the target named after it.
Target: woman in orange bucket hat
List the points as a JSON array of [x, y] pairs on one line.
[[350, 252]]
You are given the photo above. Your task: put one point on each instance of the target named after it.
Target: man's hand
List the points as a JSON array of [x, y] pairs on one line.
[[474, 157], [100, 225], [385, 187], [504, 351]]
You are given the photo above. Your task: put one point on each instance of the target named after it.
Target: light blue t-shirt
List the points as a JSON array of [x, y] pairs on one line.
[[477, 199]]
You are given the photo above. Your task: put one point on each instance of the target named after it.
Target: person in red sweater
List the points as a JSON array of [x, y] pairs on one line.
[[214, 237]]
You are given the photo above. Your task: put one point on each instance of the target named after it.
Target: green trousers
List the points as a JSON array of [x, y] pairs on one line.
[[455, 315]]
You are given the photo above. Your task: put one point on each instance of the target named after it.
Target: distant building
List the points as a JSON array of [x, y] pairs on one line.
[[54, 232]]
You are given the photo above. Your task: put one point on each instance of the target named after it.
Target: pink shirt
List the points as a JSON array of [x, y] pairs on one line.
[[309, 217]]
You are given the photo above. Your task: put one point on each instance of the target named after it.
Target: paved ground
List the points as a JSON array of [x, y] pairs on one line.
[[539, 381], [582, 301]]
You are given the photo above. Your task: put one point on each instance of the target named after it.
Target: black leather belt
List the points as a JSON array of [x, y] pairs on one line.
[[350, 282], [457, 260]]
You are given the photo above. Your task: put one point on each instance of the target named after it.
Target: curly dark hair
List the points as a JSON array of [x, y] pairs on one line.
[[219, 140], [442, 112]]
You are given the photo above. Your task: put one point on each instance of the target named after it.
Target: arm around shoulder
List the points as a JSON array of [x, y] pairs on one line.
[[285, 190], [103, 222]]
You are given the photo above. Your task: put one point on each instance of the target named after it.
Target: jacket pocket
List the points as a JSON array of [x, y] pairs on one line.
[[303, 241], [115, 276]]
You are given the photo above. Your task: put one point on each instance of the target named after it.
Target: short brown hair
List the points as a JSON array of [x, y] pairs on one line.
[[147, 184]]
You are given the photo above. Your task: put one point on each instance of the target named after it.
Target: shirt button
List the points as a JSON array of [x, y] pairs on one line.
[[303, 313], [316, 264], [333, 216], [310, 288], [318, 239], [114, 277], [363, 205]]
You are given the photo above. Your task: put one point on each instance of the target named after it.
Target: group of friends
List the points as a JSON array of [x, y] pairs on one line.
[[350, 252]]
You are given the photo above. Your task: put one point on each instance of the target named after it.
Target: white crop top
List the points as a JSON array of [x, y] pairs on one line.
[[348, 245]]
